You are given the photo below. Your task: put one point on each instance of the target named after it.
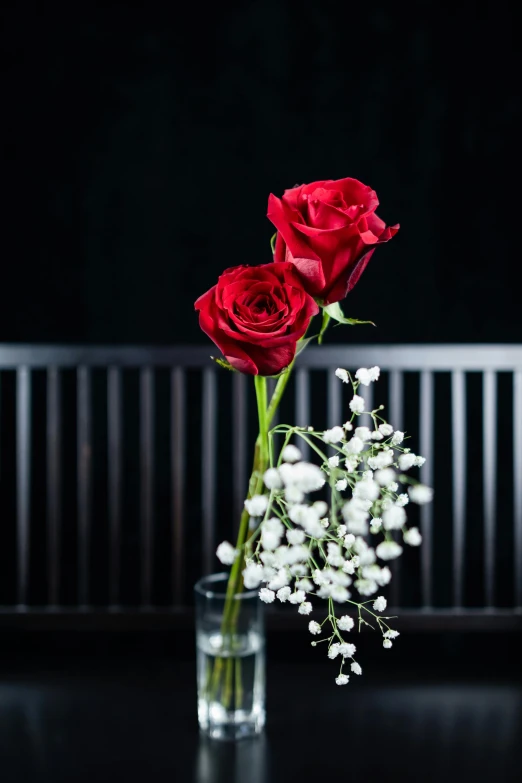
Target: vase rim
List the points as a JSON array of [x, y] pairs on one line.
[[207, 586]]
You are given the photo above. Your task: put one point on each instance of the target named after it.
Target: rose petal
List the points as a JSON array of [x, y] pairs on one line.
[[346, 281], [325, 229], [255, 315], [283, 220]]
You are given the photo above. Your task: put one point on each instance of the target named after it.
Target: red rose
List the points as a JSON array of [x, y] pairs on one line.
[[255, 315], [329, 230]]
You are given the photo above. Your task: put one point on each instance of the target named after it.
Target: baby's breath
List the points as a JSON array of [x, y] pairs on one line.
[[310, 552]]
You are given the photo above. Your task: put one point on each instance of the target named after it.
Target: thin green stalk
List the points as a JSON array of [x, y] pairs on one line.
[[278, 392], [262, 412], [231, 607], [238, 693], [255, 484]]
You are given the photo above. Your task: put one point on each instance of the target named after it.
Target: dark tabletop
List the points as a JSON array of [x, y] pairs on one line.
[[89, 708]]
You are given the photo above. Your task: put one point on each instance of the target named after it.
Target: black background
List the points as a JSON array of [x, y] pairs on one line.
[[140, 143], [139, 146]]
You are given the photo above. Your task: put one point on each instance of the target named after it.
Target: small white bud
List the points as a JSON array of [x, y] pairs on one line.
[[421, 494], [266, 595], [357, 404], [342, 375], [334, 435], [272, 479], [291, 454], [226, 553]]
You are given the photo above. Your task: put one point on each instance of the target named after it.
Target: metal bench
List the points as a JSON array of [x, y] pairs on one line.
[[33, 526]]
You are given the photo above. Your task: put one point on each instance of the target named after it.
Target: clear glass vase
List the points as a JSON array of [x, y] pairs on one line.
[[230, 641]]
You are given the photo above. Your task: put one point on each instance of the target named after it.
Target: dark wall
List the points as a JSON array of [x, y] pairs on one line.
[[139, 148]]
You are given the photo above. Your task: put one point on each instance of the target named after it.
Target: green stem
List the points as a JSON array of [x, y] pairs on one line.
[[278, 392], [324, 326], [226, 696], [255, 486], [238, 686], [262, 412], [261, 457]]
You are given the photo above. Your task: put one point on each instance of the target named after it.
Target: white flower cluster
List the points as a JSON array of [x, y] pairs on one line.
[[301, 547]]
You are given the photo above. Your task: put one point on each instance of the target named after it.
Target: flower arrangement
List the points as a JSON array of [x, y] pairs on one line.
[[295, 548]]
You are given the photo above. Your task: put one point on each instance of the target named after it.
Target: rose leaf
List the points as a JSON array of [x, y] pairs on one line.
[[301, 344], [335, 312]]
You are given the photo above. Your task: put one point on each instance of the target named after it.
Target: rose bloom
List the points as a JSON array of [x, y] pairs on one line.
[[329, 230], [255, 315]]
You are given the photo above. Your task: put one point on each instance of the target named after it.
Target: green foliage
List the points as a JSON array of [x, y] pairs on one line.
[[335, 312], [302, 344], [223, 363]]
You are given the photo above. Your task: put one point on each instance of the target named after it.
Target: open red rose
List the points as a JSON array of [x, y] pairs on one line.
[[329, 231], [255, 315]]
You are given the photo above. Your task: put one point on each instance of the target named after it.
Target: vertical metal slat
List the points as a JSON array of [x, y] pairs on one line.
[[334, 399], [114, 429], [177, 441], [23, 480], [367, 393], [84, 457], [239, 440], [302, 405], [517, 483], [490, 481], [396, 399], [458, 430], [426, 475], [208, 467], [54, 485], [147, 482], [396, 418]]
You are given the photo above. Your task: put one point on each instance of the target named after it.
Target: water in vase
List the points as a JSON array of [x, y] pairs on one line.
[[231, 684]]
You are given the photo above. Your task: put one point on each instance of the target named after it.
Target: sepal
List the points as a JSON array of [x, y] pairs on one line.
[[223, 363]]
